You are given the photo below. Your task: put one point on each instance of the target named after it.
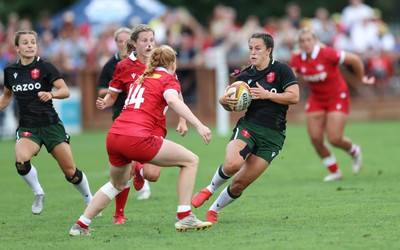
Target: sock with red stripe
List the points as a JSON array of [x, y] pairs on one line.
[[83, 222], [183, 211], [330, 163]]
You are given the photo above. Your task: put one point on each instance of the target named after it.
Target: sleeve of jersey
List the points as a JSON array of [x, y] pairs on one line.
[[171, 83], [53, 72], [6, 83], [287, 76], [333, 56], [116, 83]]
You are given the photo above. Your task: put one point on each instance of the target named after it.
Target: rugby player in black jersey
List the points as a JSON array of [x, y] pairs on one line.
[[35, 83], [260, 134]]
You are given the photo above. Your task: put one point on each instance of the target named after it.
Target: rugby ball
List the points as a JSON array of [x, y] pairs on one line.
[[241, 91]]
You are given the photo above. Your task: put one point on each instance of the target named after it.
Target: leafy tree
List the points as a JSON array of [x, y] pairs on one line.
[[31, 9]]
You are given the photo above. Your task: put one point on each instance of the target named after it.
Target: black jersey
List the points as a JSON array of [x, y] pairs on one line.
[[106, 75], [26, 81], [275, 78]]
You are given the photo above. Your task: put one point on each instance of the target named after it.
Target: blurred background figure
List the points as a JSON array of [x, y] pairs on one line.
[[355, 13], [293, 14], [323, 26]]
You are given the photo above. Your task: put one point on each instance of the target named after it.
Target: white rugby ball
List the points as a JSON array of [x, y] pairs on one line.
[[241, 91]]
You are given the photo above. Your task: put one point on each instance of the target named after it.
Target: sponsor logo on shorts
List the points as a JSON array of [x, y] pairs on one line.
[[246, 134], [26, 134]]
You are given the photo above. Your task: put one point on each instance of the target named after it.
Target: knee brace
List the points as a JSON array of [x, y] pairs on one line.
[[245, 151], [109, 190], [76, 178], [23, 168]]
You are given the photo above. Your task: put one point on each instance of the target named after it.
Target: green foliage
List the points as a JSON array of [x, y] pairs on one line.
[[288, 207], [202, 9], [31, 9]]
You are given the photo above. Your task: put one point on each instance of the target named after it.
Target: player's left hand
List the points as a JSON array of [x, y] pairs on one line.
[[45, 96], [182, 128], [368, 80], [259, 92]]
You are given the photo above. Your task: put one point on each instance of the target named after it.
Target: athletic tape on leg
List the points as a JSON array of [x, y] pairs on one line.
[[109, 190]]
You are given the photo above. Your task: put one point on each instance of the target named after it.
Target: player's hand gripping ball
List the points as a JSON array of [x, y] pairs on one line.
[[241, 91]]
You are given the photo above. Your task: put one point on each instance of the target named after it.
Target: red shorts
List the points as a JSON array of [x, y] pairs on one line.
[[339, 103], [122, 149], [159, 131]]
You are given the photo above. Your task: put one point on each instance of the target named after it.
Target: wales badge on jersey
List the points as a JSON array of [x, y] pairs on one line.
[[35, 73]]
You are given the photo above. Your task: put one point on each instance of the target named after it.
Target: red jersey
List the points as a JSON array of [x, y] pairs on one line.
[[126, 72], [145, 106], [321, 71]]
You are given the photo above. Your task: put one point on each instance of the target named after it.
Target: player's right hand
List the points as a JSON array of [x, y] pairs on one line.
[[100, 103]]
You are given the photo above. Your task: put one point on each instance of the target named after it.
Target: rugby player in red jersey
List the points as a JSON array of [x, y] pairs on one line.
[[329, 102], [131, 138]]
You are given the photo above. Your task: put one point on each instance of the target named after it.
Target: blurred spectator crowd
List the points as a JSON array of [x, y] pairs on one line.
[[359, 28]]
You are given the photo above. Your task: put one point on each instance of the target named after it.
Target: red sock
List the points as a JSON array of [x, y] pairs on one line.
[[333, 168], [81, 224], [182, 215], [120, 202]]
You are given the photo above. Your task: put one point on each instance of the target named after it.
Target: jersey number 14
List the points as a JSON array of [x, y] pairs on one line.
[[135, 96]]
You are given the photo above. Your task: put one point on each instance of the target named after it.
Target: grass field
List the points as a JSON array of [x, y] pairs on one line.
[[288, 207]]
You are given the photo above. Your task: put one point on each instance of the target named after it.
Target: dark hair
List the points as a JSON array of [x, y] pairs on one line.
[[129, 46], [268, 40], [135, 35], [269, 43], [139, 29], [19, 33]]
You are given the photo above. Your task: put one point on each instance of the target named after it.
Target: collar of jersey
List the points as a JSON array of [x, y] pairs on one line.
[[132, 56], [314, 53], [256, 71], [161, 69]]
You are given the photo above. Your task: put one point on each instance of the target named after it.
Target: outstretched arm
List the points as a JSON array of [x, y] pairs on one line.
[[182, 128], [107, 101], [182, 110], [358, 68]]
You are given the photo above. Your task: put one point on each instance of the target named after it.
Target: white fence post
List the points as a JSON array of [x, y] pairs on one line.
[[216, 59]]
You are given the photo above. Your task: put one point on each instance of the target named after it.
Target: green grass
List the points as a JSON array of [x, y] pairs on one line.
[[288, 207]]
